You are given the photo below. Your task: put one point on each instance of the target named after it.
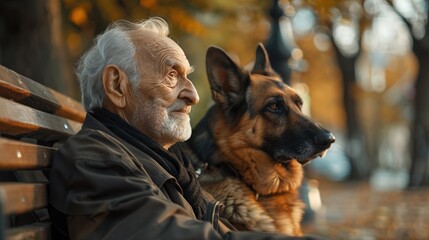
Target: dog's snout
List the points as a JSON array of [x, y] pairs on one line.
[[325, 139]]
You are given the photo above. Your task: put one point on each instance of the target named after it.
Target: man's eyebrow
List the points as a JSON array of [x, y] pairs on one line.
[[181, 67], [190, 70]]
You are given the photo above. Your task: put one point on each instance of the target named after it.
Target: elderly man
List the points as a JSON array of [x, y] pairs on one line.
[[121, 176]]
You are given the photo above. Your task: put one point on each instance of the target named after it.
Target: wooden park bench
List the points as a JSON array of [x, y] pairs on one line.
[[34, 120]]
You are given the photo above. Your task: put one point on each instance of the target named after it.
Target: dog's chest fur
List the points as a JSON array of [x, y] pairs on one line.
[[248, 210]]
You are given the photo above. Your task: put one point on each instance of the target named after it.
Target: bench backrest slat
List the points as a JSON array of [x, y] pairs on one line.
[[28, 92], [19, 120], [23, 197], [18, 155], [34, 121], [33, 231]]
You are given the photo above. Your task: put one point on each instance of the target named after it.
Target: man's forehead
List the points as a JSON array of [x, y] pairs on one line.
[[153, 41], [161, 48]]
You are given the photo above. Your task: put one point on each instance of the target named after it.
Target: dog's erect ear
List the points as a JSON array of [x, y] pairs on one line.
[[262, 61], [225, 77]]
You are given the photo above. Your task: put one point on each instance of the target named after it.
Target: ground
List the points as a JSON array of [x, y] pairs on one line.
[[356, 211]]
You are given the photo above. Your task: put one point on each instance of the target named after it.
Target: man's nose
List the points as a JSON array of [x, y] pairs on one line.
[[190, 93]]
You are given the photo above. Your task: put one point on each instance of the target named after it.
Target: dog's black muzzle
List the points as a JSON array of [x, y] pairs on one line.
[[324, 140], [303, 145]]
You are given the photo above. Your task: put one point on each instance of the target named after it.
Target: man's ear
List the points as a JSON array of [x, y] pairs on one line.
[[116, 86]]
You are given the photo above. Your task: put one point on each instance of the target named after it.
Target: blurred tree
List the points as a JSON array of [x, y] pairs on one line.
[[417, 22], [31, 42], [346, 21], [344, 18]]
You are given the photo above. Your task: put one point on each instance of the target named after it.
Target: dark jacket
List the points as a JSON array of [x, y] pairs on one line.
[[101, 187]]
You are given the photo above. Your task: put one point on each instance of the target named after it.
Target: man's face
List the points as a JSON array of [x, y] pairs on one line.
[[164, 95]]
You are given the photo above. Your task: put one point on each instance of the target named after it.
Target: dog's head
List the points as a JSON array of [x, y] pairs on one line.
[[256, 125], [263, 112]]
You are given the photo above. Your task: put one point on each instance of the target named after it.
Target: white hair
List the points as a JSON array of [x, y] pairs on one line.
[[113, 47]]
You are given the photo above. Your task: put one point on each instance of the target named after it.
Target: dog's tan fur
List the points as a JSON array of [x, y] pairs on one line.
[[249, 172]]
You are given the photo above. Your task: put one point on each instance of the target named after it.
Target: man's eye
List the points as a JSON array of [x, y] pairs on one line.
[[171, 79], [173, 74]]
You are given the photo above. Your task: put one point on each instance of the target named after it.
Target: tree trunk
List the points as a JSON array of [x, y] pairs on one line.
[[355, 147], [32, 44], [419, 172]]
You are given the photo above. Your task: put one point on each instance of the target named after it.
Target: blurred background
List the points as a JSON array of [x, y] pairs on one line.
[[362, 67]]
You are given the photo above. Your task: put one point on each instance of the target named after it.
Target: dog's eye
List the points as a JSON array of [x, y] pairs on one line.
[[275, 107], [298, 101], [299, 104]]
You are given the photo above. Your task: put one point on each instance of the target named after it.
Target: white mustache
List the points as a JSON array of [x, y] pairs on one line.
[[180, 107]]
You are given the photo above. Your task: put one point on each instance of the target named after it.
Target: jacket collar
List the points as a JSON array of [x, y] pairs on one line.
[[157, 173]]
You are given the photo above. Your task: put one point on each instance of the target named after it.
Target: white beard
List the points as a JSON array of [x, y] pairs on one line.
[[175, 128]]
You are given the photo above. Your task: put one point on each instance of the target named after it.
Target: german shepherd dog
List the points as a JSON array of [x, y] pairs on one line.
[[254, 141]]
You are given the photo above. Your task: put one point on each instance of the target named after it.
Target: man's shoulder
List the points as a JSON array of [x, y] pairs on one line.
[[89, 138], [97, 145], [97, 148]]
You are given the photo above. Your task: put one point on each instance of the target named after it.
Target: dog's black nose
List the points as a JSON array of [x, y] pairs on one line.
[[325, 139]]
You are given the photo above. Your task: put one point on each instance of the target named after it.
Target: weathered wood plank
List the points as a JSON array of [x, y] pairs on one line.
[[39, 114], [23, 197], [19, 120], [33, 94], [33, 231], [20, 155]]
